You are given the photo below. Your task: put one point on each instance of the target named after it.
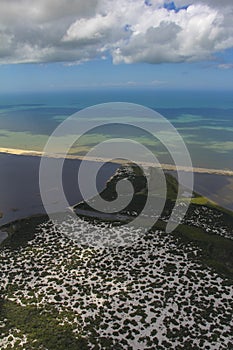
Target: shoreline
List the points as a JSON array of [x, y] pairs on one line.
[[169, 167], [18, 214]]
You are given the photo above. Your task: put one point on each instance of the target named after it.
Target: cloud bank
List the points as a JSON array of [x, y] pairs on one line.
[[129, 31]]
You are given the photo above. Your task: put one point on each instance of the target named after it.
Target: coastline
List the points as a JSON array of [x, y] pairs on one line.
[[23, 202], [20, 189], [168, 167]]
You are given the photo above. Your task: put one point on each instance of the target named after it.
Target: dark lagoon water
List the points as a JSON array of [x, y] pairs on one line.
[[19, 185]]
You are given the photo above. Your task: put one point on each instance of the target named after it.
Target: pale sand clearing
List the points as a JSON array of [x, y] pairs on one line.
[[121, 161]]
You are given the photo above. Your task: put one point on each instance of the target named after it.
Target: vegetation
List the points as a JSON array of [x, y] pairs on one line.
[[41, 327], [54, 325], [217, 251]]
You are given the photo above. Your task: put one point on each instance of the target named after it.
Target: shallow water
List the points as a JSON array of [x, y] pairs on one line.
[[218, 188], [203, 118]]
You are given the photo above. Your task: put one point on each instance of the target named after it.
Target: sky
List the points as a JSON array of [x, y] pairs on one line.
[[65, 45]]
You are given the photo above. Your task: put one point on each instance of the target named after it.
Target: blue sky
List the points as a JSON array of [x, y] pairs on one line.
[[103, 74], [108, 44]]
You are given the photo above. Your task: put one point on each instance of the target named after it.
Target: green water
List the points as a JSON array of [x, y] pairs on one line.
[[204, 119]]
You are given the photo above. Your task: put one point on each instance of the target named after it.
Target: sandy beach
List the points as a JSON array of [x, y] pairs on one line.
[[100, 159], [20, 151]]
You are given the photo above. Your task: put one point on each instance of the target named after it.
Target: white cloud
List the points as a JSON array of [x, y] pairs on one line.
[[226, 66], [129, 30]]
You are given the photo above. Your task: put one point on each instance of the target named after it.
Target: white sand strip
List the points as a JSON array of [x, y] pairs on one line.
[[120, 161]]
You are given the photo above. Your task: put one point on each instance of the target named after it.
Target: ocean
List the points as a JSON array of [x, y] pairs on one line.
[[203, 118]]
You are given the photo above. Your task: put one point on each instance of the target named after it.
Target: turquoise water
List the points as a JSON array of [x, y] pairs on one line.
[[204, 119]]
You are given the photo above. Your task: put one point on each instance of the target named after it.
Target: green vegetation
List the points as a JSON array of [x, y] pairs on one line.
[[216, 251], [51, 326], [40, 326], [22, 231]]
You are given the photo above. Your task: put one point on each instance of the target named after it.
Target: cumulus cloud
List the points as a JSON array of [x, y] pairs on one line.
[[129, 31]]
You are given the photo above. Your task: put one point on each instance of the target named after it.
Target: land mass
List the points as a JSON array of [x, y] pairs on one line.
[[162, 291]]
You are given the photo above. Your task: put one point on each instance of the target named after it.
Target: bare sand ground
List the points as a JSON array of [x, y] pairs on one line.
[[99, 159]]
